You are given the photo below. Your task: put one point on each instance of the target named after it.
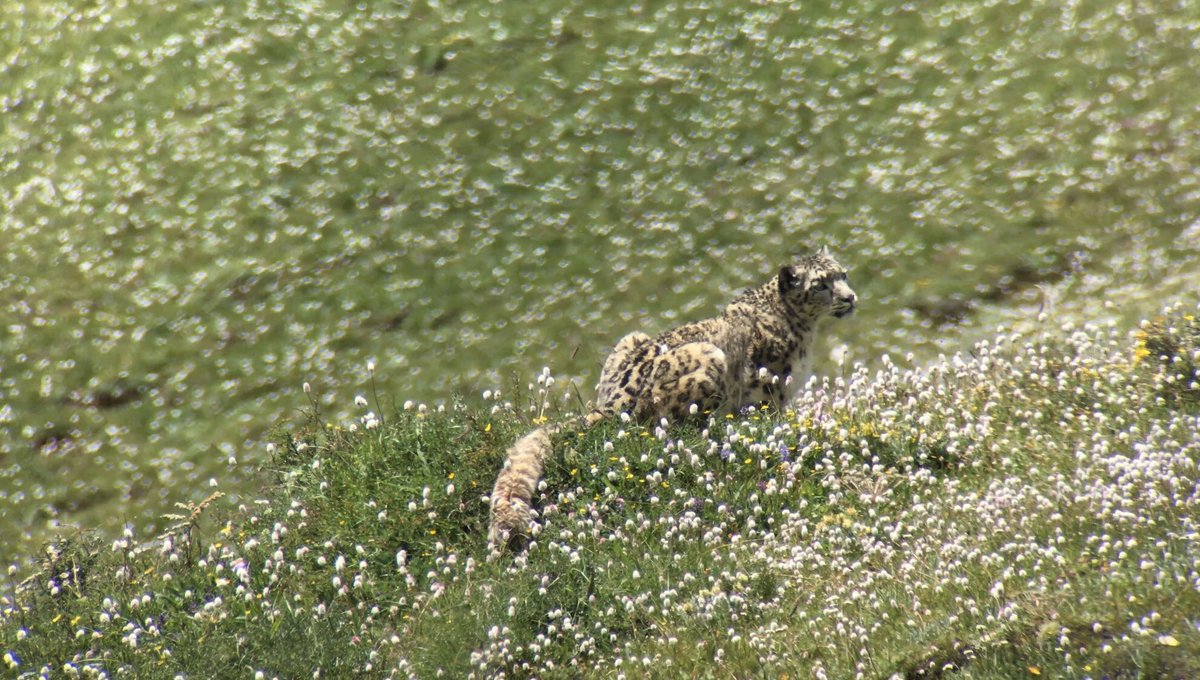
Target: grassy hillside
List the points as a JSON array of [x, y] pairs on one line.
[[203, 205], [1027, 509]]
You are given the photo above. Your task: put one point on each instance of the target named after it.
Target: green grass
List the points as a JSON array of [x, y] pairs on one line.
[[205, 205], [1029, 510]]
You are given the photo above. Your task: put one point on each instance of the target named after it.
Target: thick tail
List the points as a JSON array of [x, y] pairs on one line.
[[512, 495]]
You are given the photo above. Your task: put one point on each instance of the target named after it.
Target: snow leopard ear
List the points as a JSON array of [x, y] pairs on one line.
[[825, 251], [787, 278]]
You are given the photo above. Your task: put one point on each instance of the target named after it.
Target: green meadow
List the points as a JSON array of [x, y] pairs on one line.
[[205, 206]]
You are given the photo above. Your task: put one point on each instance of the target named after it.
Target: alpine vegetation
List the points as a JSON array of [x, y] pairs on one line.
[[206, 204], [1026, 508], [214, 215]]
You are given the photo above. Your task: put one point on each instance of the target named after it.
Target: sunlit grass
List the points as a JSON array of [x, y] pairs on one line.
[[205, 204], [1026, 509]]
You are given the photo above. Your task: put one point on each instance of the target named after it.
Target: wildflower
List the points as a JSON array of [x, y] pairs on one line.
[[1140, 350], [360, 400]]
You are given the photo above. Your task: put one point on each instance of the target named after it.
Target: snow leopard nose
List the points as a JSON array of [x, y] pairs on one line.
[[846, 304]]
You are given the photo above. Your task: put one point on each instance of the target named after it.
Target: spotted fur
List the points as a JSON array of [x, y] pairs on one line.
[[745, 356]]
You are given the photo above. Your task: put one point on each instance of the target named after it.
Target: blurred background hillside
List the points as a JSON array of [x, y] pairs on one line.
[[204, 205]]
